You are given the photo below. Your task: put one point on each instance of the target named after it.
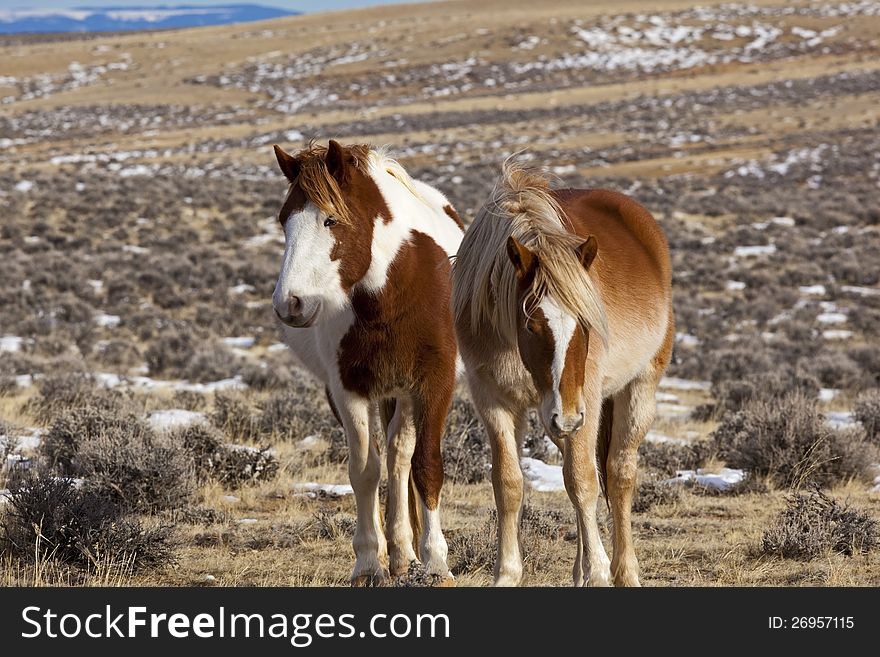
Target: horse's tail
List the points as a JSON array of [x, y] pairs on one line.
[[603, 444], [387, 408]]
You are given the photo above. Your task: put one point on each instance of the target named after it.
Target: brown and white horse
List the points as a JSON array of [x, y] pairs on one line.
[[563, 302], [364, 293]]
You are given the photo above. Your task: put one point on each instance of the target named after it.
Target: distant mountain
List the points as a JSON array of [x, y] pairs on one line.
[[117, 19]]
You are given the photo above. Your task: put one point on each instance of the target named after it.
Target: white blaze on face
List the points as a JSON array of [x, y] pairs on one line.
[[307, 270], [562, 326]]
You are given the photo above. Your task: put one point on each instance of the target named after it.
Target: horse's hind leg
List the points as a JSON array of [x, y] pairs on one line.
[[401, 445], [427, 464], [364, 469], [581, 477]]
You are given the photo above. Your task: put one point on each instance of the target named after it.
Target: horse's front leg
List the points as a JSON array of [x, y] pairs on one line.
[[364, 469], [504, 429], [581, 476]]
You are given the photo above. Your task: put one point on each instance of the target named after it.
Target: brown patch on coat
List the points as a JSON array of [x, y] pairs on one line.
[[452, 214], [536, 347], [294, 202], [402, 338], [571, 383]]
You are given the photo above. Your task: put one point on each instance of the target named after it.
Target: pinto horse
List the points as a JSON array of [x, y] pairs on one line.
[[364, 294], [563, 303]]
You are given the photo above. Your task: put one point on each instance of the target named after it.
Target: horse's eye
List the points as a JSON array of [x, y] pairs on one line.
[[329, 221], [531, 326]]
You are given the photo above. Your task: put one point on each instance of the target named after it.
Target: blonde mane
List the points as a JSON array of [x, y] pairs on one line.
[[484, 280], [322, 189]]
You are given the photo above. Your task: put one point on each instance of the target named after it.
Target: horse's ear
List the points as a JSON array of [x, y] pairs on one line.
[[335, 160], [524, 261], [288, 163], [586, 252]]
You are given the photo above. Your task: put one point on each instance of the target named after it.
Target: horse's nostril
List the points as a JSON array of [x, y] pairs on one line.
[[555, 422], [580, 422], [294, 306]]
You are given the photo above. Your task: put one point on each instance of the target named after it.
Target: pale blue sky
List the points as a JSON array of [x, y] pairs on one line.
[[301, 5]]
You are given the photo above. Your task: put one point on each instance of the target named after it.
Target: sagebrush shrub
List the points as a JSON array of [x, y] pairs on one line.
[[787, 440], [120, 453], [51, 518], [811, 525]]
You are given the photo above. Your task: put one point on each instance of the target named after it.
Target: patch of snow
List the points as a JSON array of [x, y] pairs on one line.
[[725, 479], [241, 289], [861, 291], [827, 394], [231, 499], [241, 342], [840, 419], [756, 250], [687, 340], [674, 383], [666, 397], [733, 286], [313, 490], [837, 334], [174, 418], [542, 477], [660, 438], [24, 380], [831, 318], [813, 290], [107, 321], [309, 441], [11, 344], [247, 521], [278, 346], [24, 186]]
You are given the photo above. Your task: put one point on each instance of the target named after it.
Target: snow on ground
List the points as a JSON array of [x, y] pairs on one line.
[[831, 318], [812, 290], [174, 418], [107, 321], [309, 442], [840, 419], [660, 438], [542, 477], [313, 490], [861, 291], [666, 398], [687, 340], [112, 380], [837, 334], [756, 250], [11, 344], [827, 394], [674, 383], [734, 286], [27, 440], [278, 346], [241, 289], [722, 480], [240, 342]]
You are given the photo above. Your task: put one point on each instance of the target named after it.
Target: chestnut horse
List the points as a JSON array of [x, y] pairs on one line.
[[364, 294], [563, 303]]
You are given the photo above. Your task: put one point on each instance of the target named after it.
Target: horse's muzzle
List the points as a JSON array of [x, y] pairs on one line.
[[300, 320]]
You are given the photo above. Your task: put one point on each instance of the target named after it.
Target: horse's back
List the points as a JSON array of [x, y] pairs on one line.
[[628, 235]]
